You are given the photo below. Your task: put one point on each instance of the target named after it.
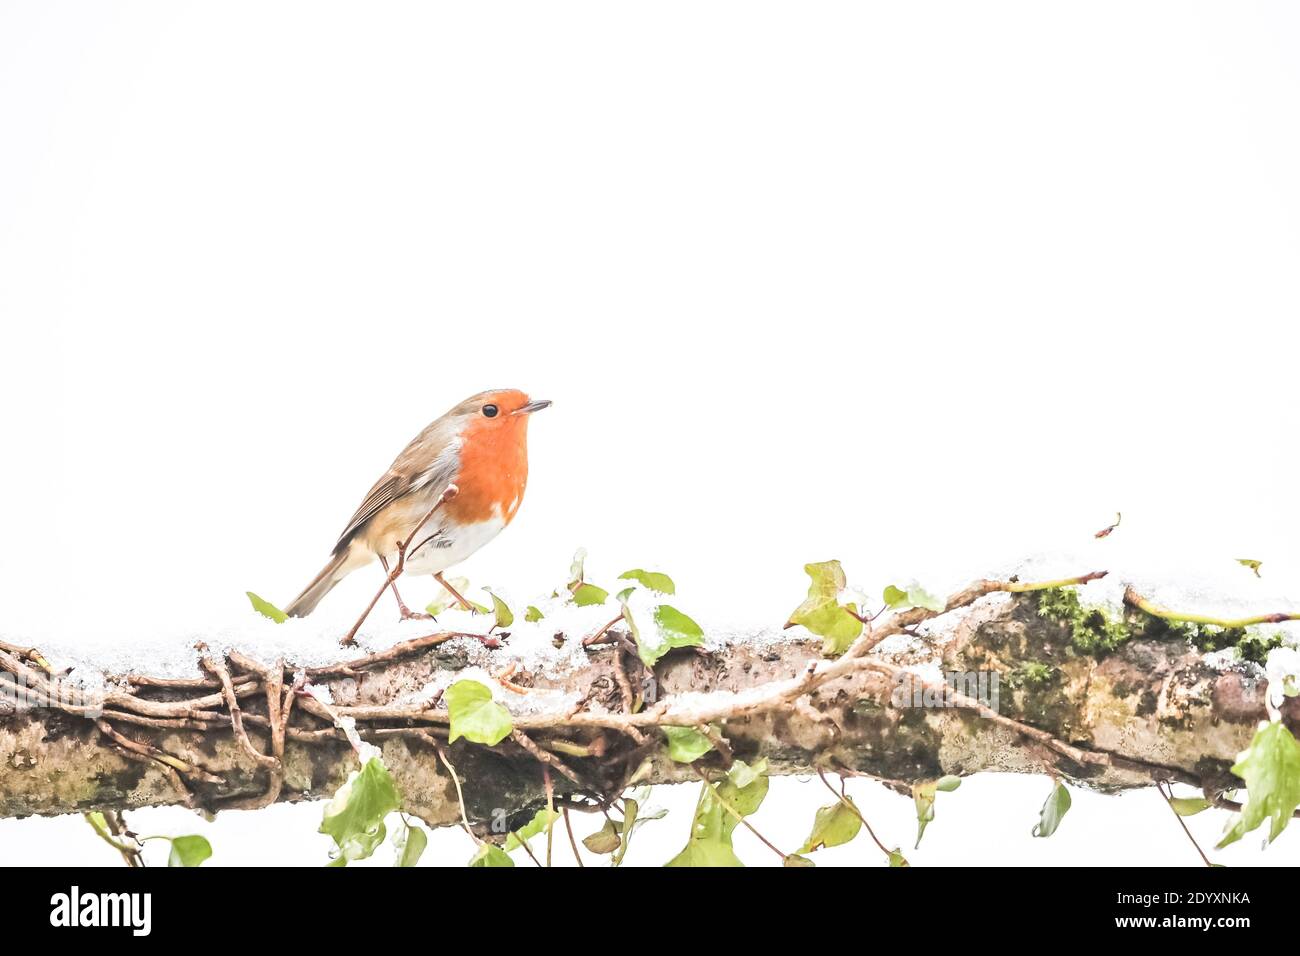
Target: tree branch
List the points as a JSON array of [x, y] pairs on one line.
[[1150, 711]]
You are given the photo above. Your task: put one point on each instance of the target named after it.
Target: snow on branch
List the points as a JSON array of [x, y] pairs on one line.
[[1002, 675]]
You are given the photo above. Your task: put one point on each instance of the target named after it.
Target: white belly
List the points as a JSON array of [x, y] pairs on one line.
[[451, 546]]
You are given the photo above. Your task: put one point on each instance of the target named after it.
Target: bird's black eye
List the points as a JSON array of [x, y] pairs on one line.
[[489, 411]]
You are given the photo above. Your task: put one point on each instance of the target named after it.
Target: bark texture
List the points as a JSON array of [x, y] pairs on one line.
[[1150, 710]]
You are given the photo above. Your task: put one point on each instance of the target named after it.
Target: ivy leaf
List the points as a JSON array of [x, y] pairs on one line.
[[540, 821], [672, 629], [475, 715], [576, 569], [710, 842], [586, 595], [1189, 806], [266, 608], [490, 855], [355, 816], [897, 859], [654, 580], [821, 612], [504, 616], [605, 840], [615, 835], [188, 850], [706, 853], [686, 744], [923, 796], [410, 842], [1054, 810], [633, 818], [914, 596], [532, 615], [1271, 768], [832, 826]]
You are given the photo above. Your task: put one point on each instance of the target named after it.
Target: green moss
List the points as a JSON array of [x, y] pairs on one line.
[[1097, 632], [1092, 631], [1256, 647], [1030, 674]]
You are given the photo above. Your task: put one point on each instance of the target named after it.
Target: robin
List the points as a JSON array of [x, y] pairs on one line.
[[480, 447]]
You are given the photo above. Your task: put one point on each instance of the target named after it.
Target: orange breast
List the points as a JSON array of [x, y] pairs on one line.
[[493, 470]]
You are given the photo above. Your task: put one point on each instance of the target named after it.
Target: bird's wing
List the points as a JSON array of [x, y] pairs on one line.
[[418, 467]]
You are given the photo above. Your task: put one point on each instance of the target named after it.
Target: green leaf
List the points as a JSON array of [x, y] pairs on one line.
[[355, 815], [672, 629], [588, 594], [897, 859], [615, 835], [1271, 768], [266, 608], [654, 580], [504, 616], [633, 818], [1054, 810], [914, 596], [475, 715], [821, 611], [532, 615], [895, 598], [575, 569], [832, 826], [710, 840], [188, 850], [605, 840], [686, 744], [489, 854], [794, 860], [923, 796], [410, 842], [1189, 806], [1252, 564], [540, 821]]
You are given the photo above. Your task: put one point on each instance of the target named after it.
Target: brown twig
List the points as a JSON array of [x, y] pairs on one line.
[[152, 754], [550, 809], [113, 832], [596, 636], [568, 825], [547, 759], [218, 669], [1169, 799], [843, 798]]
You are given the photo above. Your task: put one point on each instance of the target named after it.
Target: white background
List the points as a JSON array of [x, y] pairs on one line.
[[911, 285]]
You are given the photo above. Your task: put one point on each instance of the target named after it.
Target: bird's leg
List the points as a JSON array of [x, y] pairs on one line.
[[406, 612], [465, 605]]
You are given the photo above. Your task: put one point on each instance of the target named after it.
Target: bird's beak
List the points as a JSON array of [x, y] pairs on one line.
[[531, 407]]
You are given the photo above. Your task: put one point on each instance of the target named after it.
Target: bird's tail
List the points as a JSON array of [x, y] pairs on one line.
[[340, 566]]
